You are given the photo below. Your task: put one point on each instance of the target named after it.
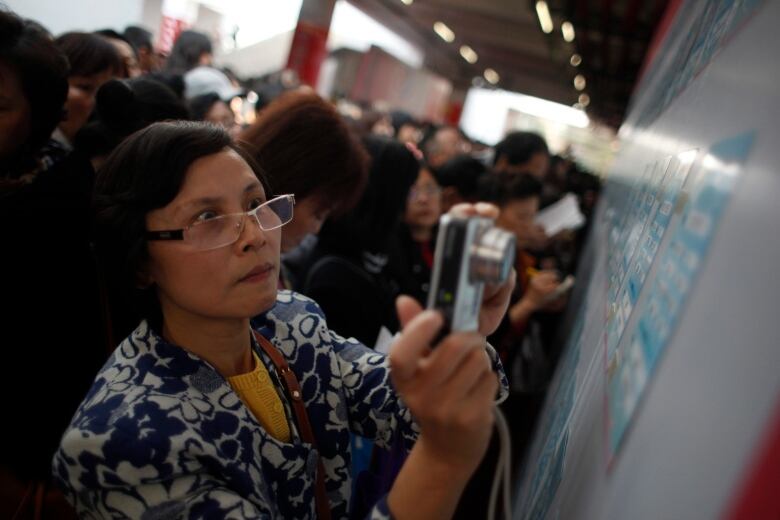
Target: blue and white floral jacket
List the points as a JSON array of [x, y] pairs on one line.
[[161, 434]]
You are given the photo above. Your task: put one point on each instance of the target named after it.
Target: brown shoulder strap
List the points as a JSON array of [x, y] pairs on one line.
[[302, 418]]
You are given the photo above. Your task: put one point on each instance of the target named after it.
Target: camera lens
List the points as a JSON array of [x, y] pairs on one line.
[[492, 256]]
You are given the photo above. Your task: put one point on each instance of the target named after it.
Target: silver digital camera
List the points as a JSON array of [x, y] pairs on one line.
[[470, 252]]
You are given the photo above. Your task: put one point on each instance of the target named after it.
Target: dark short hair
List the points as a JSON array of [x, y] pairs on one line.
[[172, 80], [187, 50], [267, 93], [429, 144], [399, 118], [307, 149], [89, 54], [123, 107], [145, 172], [519, 147], [114, 35], [463, 173], [505, 188], [28, 49], [138, 37], [200, 105]]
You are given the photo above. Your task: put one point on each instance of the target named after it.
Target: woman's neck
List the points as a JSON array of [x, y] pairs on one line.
[[421, 233], [225, 344]]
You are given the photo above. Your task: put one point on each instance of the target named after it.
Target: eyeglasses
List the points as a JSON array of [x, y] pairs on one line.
[[224, 230], [427, 191]]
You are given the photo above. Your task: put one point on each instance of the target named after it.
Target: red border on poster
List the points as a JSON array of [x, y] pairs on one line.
[[660, 35], [759, 495]]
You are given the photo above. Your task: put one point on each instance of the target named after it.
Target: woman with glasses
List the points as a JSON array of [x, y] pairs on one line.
[[195, 414], [417, 235]]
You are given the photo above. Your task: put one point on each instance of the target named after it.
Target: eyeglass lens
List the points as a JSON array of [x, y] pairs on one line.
[[428, 191], [224, 230]]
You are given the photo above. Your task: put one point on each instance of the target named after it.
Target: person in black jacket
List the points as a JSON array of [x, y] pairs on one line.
[[51, 282], [46, 274]]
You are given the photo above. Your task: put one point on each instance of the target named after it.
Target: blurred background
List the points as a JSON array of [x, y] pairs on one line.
[[564, 68]]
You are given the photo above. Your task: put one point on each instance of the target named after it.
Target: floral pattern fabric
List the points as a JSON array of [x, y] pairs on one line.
[[161, 434]]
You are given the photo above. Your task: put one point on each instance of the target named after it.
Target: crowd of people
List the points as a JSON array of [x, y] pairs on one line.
[[180, 283]]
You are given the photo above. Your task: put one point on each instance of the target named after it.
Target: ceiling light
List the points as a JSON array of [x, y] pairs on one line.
[[492, 76], [407, 2], [468, 54], [543, 12], [584, 99], [575, 60], [444, 32], [567, 29], [579, 82]]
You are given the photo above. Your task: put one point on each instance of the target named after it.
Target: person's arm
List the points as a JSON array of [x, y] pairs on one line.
[[427, 488], [447, 394], [449, 391], [520, 313], [539, 287]]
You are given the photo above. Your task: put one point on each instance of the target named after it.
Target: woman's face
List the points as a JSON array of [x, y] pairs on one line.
[[408, 134], [126, 53], [423, 205], [308, 217], [81, 101], [220, 114], [518, 216], [15, 123], [236, 281]]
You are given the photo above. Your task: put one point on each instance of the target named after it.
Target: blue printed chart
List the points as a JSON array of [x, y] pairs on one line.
[[632, 367], [718, 19], [654, 231], [654, 215], [620, 229]]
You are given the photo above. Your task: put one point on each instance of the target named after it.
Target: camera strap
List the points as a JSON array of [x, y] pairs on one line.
[[302, 418]]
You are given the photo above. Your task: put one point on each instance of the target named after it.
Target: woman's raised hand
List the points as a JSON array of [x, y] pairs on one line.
[[449, 389]]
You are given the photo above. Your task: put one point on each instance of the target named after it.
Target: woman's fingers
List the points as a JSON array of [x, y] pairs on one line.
[[407, 308], [496, 299], [498, 293], [483, 209], [495, 303]]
